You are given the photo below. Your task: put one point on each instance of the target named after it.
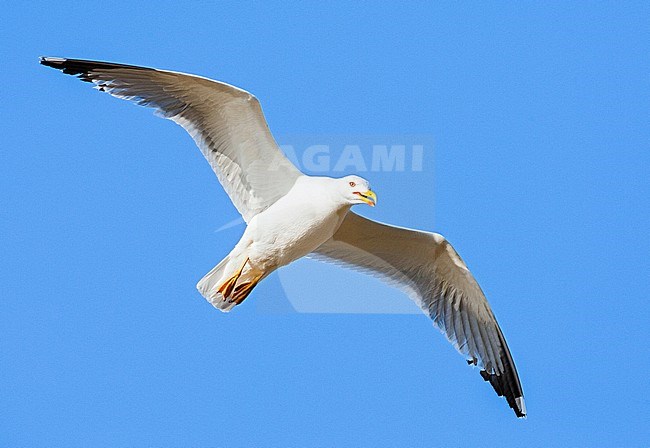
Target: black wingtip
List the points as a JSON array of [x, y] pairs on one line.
[[75, 67], [83, 68], [53, 62], [503, 385]]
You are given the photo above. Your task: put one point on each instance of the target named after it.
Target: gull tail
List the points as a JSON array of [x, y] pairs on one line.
[[229, 282]]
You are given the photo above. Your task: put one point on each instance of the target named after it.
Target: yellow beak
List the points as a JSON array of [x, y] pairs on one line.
[[369, 197]]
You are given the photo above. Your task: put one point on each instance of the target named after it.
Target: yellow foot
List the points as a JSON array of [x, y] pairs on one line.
[[226, 288], [242, 291]]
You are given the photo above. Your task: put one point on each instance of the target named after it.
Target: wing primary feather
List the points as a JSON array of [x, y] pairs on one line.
[[468, 332], [448, 307], [454, 332], [460, 329], [489, 357]]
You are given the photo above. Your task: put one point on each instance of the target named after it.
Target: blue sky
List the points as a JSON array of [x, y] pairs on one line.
[[537, 174]]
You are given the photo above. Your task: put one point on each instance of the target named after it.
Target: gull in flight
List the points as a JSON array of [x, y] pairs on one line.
[[290, 215]]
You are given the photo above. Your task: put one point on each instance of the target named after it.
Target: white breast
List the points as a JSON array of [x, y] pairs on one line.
[[294, 226]]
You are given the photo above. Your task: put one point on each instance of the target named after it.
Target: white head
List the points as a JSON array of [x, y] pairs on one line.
[[356, 190]]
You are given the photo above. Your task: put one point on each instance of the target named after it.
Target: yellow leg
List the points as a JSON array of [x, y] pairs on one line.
[[242, 291], [226, 288]]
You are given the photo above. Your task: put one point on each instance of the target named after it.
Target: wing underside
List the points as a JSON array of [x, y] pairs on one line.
[[430, 271]]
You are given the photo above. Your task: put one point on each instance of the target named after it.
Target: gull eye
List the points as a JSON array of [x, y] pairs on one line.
[[352, 184]]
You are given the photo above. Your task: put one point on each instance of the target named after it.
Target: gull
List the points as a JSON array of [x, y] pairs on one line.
[[290, 215]]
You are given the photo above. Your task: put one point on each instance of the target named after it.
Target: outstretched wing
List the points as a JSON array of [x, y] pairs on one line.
[[431, 272], [226, 123]]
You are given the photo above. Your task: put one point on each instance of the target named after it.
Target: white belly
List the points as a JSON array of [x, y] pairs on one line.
[[290, 229]]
